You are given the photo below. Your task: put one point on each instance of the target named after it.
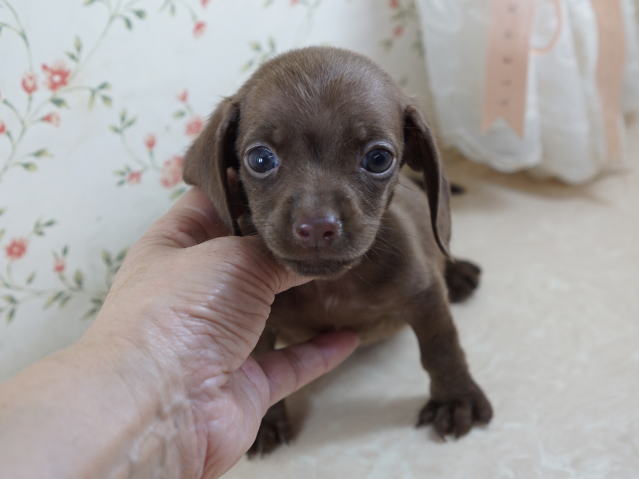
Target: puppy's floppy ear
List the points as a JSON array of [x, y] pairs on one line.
[[212, 153], [420, 152]]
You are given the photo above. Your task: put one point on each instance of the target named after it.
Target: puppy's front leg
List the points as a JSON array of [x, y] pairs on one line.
[[274, 428], [456, 401]]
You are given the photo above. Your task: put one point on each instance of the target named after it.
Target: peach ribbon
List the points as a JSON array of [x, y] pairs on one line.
[[509, 49], [610, 69], [509, 33]]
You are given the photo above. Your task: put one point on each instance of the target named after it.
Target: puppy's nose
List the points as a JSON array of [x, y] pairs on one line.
[[317, 232]]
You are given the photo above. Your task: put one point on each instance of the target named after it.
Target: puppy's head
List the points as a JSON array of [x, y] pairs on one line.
[[318, 137]]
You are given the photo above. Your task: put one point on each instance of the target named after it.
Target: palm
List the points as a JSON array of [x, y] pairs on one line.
[[202, 305], [232, 416]]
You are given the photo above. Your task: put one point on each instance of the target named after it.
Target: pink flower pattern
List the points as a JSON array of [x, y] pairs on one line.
[[194, 126], [16, 249], [403, 19], [150, 141], [59, 265], [29, 83], [134, 177], [199, 28], [53, 118], [57, 75], [172, 172]]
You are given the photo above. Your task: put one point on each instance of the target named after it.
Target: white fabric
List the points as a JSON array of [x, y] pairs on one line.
[[563, 132]]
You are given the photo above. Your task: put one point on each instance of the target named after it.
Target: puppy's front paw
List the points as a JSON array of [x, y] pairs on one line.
[[456, 416], [462, 278], [274, 430]]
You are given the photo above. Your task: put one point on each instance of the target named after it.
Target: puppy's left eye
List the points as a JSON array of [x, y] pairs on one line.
[[377, 161], [261, 160]]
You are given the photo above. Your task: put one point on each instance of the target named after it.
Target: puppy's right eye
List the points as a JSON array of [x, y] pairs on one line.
[[261, 160]]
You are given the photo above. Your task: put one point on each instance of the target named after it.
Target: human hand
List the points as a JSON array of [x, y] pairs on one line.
[[195, 308]]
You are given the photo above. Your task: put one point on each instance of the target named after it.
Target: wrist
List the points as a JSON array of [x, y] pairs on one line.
[[96, 409], [156, 435]]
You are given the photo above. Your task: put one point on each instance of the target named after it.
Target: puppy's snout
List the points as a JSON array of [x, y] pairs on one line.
[[318, 231]]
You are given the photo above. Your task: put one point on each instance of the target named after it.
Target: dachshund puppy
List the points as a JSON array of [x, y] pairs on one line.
[[316, 139]]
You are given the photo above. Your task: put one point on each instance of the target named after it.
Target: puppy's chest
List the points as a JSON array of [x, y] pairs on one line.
[[323, 306]]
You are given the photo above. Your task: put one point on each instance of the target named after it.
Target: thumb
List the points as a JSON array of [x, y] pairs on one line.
[[191, 220], [228, 285], [243, 266], [261, 261], [288, 369]]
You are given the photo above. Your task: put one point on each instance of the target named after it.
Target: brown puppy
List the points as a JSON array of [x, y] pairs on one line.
[[318, 137]]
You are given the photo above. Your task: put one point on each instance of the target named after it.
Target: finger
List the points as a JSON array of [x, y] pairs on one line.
[[191, 220], [274, 275], [290, 368], [248, 272]]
